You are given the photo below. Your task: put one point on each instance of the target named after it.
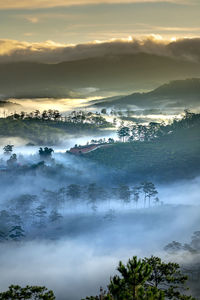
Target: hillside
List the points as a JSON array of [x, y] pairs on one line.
[[172, 156], [175, 93], [108, 73], [46, 132]]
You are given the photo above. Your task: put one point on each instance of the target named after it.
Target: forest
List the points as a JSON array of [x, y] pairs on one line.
[[50, 127], [159, 151]]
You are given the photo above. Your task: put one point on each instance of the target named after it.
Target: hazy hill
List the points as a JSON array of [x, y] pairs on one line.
[[9, 105], [176, 93], [116, 73]]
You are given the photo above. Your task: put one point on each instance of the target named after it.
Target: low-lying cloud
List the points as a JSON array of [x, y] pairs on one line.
[[51, 52]]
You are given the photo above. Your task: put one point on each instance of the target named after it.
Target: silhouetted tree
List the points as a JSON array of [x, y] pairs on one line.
[[173, 247], [12, 161], [123, 132], [73, 191], [55, 216], [149, 191], [8, 149], [45, 153], [40, 212], [124, 193], [93, 194], [136, 194]]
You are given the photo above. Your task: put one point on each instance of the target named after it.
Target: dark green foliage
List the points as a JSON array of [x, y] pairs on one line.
[[10, 227], [15, 292], [45, 153], [165, 158], [146, 279], [130, 284], [167, 277], [8, 149], [124, 193], [132, 277], [149, 191], [49, 126], [123, 133]]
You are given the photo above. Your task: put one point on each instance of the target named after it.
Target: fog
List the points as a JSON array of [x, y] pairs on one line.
[[76, 254], [66, 221], [77, 266]]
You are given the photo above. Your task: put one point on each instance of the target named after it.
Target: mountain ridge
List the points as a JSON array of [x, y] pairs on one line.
[[120, 73], [177, 91]]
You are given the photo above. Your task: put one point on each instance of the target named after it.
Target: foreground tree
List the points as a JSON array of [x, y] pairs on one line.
[[16, 292], [147, 279], [130, 283], [167, 277]]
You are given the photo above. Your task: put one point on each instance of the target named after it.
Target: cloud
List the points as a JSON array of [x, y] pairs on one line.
[[51, 52], [20, 4]]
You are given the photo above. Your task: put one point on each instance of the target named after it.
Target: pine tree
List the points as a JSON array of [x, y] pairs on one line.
[[167, 277], [132, 277], [16, 292]]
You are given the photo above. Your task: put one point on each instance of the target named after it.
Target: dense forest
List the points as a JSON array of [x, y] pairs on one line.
[[49, 127], [156, 151]]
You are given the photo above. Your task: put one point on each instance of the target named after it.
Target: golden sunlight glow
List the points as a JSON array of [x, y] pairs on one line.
[[173, 39], [49, 103], [157, 37]]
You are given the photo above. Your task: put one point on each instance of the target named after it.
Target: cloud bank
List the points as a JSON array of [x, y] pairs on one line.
[[51, 52], [20, 4]]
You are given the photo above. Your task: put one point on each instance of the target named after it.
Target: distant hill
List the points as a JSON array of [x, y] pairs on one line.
[[176, 93], [114, 72], [9, 104]]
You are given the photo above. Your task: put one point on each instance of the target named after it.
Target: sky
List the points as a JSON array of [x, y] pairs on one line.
[[83, 21]]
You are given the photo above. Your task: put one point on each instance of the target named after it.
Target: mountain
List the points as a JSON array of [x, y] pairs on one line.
[[120, 73], [174, 94]]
